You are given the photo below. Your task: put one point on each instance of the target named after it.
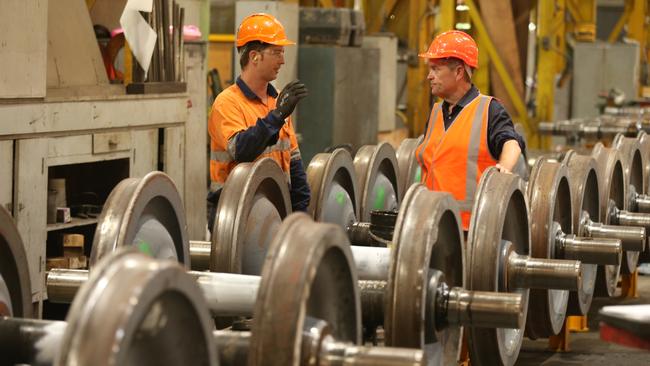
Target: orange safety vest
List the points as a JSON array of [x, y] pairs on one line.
[[233, 112], [454, 160]]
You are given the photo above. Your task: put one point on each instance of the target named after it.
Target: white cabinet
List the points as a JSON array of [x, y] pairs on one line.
[[30, 205], [6, 173], [71, 139]]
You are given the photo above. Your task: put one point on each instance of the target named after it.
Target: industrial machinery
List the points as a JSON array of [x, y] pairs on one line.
[[229, 294], [150, 301], [420, 282]]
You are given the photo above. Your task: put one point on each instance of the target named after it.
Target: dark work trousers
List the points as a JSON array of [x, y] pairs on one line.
[[213, 201]]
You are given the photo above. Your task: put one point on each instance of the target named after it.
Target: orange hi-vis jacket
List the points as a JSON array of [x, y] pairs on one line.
[[454, 160], [233, 112]]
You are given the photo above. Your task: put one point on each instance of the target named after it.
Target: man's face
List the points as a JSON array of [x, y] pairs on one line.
[[444, 77], [269, 62]]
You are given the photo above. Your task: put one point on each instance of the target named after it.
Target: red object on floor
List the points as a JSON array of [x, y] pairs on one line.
[[612, 334]]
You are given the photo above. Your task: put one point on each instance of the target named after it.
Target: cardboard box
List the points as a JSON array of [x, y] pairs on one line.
[[73, 240], [73, 252], [80, 262]]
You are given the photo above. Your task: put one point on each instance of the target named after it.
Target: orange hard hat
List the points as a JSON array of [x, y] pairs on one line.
[[454, 44], [264, 28]]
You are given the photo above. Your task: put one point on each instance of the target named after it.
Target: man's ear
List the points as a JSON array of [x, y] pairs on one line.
[[460, 73]]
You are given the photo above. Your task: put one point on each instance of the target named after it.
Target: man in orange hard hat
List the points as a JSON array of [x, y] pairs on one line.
[[468, 131], [250, 120]]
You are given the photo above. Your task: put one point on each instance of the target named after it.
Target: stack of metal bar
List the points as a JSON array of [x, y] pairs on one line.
[[167, 62], [628, 111], [601, 127]]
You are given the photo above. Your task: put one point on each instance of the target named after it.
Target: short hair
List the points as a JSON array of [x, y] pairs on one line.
[[245, 50], [452, 62]]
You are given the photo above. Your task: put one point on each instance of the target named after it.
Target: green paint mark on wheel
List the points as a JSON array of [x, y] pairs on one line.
[[340, 198], [380, 198], [418, 175], [144, 248]]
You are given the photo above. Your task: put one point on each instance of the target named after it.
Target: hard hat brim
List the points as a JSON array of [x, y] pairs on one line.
[[432, 56], [427, 55], [282, 42]]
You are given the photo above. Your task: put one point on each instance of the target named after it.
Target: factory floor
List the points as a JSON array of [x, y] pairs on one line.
[[587, 348]]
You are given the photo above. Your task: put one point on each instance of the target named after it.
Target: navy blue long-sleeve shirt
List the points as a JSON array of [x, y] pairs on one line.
[[250, 143]]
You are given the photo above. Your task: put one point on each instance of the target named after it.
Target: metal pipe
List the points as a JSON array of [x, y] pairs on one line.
[[372, 294], [232, 347], [319, 347], [539, 273], [589, 250], [632, 238], [200, 254], [626, 218], [166, 41], [359, 234], [642, 202], [455, 306], [62, 284], [235, 294], [372, 263], [181, 46], [160, 40], [485, 309], [546, 128], [335, 353], [228, 294], [30, 341], [174, 39]]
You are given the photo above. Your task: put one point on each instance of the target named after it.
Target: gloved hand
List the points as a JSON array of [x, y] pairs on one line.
[[289, 98]]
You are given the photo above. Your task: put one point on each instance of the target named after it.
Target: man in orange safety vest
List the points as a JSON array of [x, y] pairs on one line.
[[250, 120], [467, 132]]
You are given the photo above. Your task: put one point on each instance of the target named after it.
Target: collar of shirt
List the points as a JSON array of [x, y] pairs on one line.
[[468, 97], [449, 116], [270, 90]]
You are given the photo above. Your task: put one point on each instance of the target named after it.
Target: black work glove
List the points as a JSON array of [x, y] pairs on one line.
[[288, 99]]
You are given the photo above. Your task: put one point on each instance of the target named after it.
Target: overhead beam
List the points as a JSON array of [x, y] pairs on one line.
[[551, 46], [419, 36], [378, 21], [500, 25], [500, 68]]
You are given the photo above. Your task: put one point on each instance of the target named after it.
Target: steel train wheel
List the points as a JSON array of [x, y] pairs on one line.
[[634, 163], [585, 196], [611, 179], [333, 184], [549, 196], [135, 310], [15, 284], [253, 203], [146, 213], [428, 238], [308, 274], [499, 217], [377, 178], [409, 169]]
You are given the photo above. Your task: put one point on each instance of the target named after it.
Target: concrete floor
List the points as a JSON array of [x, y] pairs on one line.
[[587, 348]]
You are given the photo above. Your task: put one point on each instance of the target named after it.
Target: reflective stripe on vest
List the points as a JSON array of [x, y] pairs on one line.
[[427, 138], [441, 153], [472, 156], [215, 186], [224, 157]]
